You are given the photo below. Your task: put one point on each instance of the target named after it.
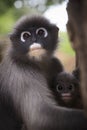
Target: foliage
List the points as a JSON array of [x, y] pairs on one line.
[[65, 45], [50, 2], [6, 21], [5, 5]]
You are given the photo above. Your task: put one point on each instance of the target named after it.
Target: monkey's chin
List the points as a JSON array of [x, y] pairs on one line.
[[66, 99], [37, 54]]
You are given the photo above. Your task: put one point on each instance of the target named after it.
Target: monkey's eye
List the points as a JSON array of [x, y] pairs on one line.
[[59, 88], [71, 87], [25, 35], [42, 32]]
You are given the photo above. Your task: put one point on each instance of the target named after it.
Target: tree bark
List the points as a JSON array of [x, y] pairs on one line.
[[77, 30]]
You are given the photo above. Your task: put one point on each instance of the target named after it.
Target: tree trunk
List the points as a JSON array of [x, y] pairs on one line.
[[77, 30]]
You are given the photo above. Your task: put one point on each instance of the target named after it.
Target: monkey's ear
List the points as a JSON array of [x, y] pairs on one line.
[[11, 36], [76, 73], [56, 29]]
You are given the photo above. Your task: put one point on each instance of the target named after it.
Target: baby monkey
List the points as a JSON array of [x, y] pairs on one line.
[[66, 90]]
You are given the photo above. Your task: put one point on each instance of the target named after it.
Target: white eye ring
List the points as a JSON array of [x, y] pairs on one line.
[[59, 88], [44, 30], [22, 34]]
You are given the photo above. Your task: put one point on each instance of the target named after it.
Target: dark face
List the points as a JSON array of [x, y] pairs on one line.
[[67, 88], [66, 91], [34, 35]]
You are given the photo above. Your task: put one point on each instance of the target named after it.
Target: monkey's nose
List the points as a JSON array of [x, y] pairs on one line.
[[35, 46], [34, 39]]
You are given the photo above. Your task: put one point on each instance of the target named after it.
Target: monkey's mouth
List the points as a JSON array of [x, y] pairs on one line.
[[36, 51], [66, 97]]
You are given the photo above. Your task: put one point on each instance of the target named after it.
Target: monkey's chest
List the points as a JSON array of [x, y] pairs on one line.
[[16, 80]]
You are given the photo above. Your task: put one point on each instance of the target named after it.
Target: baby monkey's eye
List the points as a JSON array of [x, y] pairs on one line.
[[71, 87], [59, 88], [25, 35], [42, 32]]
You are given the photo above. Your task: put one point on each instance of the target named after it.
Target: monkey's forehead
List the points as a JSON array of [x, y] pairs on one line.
[[34, 21], [64, 76]]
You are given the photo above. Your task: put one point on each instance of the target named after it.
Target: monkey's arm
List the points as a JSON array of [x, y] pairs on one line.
[[53, 68], [8, 121], [57, 65]]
